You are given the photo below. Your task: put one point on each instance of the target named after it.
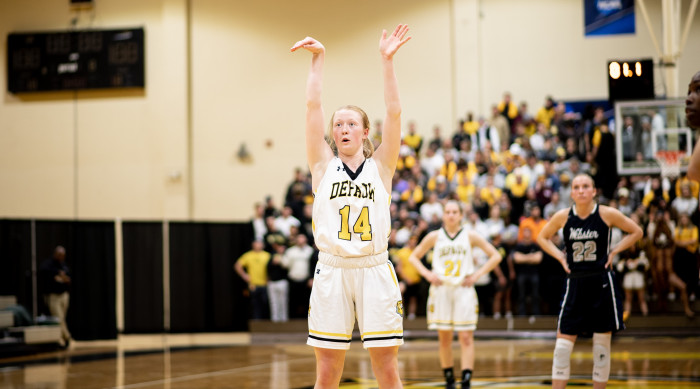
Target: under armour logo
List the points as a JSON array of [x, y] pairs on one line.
[[339, 168], [605, 285], [318, 271]]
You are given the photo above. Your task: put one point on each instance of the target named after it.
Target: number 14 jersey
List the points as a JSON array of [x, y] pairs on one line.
[[351, 216]]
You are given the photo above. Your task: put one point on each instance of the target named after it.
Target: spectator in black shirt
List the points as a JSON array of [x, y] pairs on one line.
[[55, 281]]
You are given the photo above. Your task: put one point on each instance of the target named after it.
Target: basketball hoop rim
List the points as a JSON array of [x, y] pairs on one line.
[[669, 162]]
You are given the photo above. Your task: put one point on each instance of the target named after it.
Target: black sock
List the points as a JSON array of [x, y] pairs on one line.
[[449, 375], [466, 376]]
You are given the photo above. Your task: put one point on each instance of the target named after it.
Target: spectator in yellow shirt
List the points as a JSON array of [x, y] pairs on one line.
[[408, 276], [252, 267], [546, 113], [413, 139]]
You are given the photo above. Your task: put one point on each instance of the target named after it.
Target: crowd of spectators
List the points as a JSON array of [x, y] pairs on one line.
[[511, 172]]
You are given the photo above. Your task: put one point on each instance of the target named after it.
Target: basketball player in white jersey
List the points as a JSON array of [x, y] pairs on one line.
[[452, 300], [354, 277]]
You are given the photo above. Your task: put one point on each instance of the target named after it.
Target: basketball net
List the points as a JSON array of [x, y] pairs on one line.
[[670, 162]]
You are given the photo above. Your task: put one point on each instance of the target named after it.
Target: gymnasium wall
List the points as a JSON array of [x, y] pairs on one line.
[[219, 76]]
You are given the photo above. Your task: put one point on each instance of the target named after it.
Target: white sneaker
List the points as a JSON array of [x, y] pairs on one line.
[[671, 296], [411, 316], [509, 315], [531, 320], [497, 315], [691, 297]]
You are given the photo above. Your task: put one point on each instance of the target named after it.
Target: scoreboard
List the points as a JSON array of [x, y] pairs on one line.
[[75, 60], [630, 80]]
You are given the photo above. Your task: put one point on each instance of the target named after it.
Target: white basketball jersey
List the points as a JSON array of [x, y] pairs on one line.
[[351, 217], [452, 258]]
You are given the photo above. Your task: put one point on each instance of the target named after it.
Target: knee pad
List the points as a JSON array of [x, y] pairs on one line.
[[561, 363], [601, 357]]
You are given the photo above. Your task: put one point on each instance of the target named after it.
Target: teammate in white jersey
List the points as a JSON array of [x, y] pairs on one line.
[[354, 277], [452, 300]]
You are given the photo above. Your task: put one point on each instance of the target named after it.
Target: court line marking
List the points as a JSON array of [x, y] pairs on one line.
[[204, 375]]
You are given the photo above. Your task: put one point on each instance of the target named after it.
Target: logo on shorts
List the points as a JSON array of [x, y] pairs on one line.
[[399, 308]]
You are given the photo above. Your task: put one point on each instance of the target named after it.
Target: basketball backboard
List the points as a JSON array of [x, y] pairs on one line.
[[644, 127]]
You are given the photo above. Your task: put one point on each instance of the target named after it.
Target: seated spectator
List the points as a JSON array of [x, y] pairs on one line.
[[285, 221], [432, 161], [432, 208], [555, 204], [465, 189], [684, 180], [545, 114], [623, 201], [534, 222], [413, 139], [685, 203], [413, 191], [494, 223], [516, 187], [489, 192], [655, 194], [565, 187]]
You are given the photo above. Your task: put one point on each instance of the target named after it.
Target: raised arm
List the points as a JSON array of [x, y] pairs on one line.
[[554, 224], [318, 153], [387, 153], [615, 218]]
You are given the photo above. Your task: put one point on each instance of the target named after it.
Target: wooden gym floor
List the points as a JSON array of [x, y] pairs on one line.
[[239, 360]]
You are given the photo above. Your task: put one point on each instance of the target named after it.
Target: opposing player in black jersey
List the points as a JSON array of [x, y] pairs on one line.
[[592, 302]]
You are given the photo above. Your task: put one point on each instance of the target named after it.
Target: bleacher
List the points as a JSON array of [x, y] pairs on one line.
[[18, 337]]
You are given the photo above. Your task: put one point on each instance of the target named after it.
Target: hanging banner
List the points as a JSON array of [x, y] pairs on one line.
[[608, 17]]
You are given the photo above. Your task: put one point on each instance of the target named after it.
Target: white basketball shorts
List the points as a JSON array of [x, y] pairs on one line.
[[365, 288]]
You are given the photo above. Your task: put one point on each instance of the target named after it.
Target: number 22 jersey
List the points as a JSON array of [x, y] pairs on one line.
[[587, 241], [351, 216]]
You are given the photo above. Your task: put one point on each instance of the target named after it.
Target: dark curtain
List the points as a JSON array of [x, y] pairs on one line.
[[143, 276], [16, 261], [205, 293], [90, 256]]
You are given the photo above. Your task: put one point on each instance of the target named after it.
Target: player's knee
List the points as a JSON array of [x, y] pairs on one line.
[[466, 338], [561, 365], [601, 357]]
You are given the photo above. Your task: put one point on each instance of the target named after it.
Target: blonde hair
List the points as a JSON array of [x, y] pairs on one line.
[[367, 146]]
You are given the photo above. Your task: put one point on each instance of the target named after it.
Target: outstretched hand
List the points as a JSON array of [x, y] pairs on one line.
[[389, 45], [309, 44]]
